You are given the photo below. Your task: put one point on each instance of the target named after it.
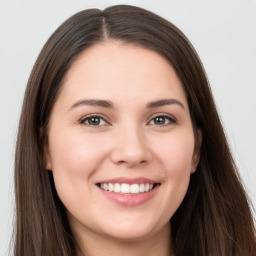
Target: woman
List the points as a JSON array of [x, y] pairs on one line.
[[120, 148]]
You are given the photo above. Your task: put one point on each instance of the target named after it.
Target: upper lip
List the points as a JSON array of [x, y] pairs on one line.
[[127, 180]]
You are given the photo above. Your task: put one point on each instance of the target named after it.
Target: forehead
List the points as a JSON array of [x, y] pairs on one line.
[[117, 70]]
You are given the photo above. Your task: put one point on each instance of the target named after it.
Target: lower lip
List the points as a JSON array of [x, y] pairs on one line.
[[130, 199]]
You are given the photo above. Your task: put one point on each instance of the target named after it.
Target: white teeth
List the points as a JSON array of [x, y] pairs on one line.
[[142, 187], [126, 188], [135, 189], [104, 186], [110, 187], [117, 188]]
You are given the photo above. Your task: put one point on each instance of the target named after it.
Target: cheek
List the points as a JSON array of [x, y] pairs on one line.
[[74, 155], [176, 154], [74, 160]]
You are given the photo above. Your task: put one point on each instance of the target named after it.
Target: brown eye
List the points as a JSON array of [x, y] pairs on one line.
[[93, 121], [161, 120]]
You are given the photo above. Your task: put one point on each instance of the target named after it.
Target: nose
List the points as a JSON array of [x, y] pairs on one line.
[[131, 148]]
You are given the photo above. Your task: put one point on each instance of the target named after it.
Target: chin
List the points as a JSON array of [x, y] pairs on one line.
[[130, 235], [128, 231]]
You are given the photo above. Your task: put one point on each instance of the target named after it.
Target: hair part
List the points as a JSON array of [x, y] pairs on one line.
[[213, 219]]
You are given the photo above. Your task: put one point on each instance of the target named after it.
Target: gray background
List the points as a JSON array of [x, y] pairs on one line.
[[223, 32]]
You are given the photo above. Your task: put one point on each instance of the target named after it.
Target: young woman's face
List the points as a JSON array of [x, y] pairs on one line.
[[121, 143]]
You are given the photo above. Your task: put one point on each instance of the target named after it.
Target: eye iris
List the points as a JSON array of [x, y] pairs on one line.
[[94, 120], [160, 120]]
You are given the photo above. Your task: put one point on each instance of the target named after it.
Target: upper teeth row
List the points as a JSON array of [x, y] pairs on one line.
[[126, 188]]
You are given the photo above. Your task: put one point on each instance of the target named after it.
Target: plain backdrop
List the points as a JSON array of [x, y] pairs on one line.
[[222, 31]]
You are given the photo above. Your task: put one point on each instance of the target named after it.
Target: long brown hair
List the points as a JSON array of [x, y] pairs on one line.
[[214, 218]]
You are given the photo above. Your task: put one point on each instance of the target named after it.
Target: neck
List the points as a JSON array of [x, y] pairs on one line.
[[90, 244]]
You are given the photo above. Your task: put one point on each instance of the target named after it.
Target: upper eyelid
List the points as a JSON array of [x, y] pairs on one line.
[[93, 115], [164, 115]]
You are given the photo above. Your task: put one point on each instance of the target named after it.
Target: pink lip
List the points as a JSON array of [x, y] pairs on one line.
[[138, 180], [130, 199]]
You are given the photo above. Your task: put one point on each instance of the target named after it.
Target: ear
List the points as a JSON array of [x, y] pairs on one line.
[[197, 151], [47, 155]]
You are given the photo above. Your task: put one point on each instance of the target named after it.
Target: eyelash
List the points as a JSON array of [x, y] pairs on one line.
[[98, 119], [168, 118], [86, 120]]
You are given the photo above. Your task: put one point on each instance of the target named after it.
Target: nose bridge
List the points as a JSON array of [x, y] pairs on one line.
[[131, 145]]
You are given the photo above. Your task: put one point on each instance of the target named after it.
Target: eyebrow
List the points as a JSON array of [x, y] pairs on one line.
[[93, 102], [164, 102], [109, 104]]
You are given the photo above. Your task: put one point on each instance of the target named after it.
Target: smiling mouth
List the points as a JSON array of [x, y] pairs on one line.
[[123, 188]]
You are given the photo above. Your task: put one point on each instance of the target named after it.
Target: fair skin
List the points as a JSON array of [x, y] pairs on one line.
[[121, 120]]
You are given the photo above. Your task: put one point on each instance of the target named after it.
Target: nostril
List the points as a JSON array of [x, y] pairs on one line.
[[130, 147], [131, 158]]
